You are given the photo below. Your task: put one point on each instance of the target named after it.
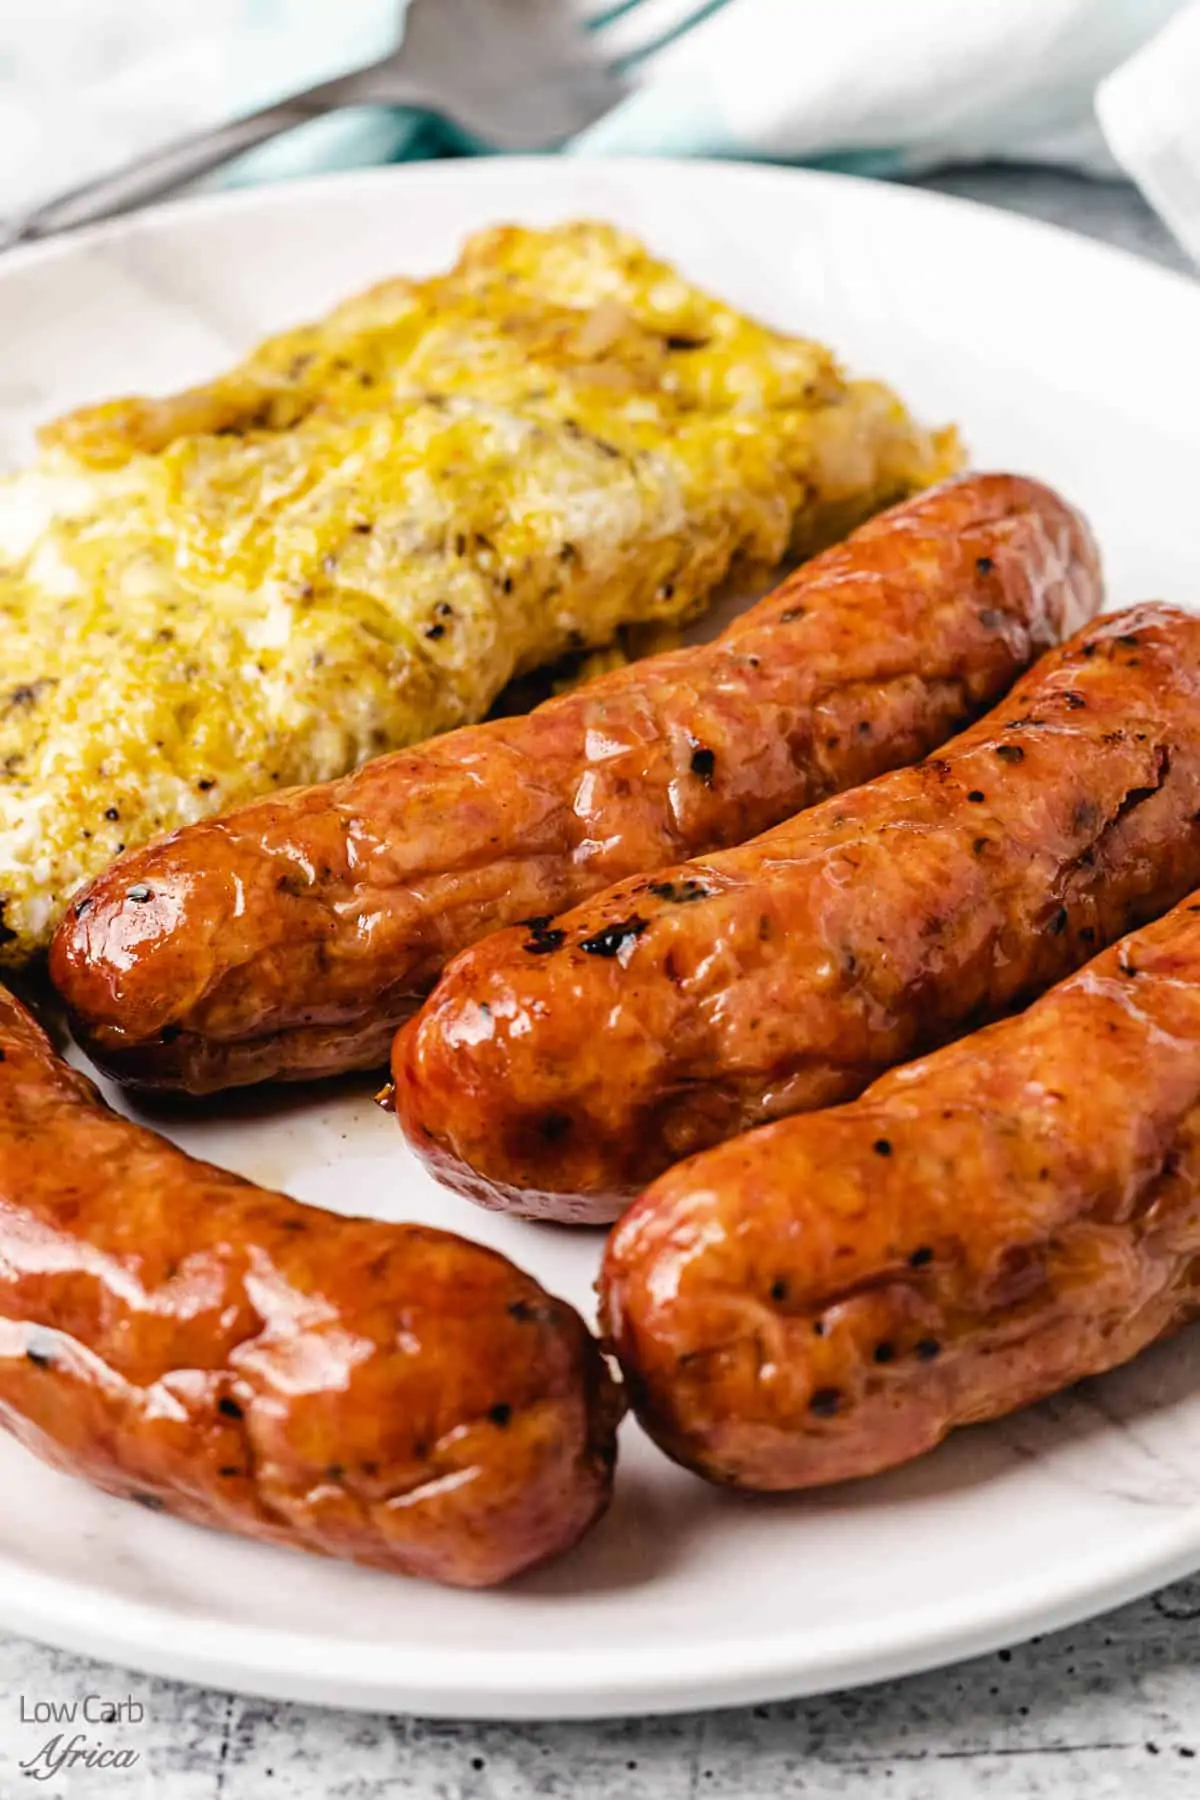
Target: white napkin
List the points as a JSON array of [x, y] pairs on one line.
[[1150, 111], [912, 82], [85, 85]]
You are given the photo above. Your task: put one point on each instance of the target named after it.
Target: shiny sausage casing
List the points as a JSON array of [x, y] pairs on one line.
[[558, 1068], [292, 936], [172, 1333], [831, 1295]]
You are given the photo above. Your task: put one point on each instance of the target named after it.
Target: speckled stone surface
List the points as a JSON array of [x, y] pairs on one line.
[[1108, 1711]]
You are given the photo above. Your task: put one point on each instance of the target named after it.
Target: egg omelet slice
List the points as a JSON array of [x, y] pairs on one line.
[[358, 536]]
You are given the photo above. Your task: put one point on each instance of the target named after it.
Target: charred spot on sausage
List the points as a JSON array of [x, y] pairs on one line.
[[613, 939], [703, 763], [542, 939], [679, 892]]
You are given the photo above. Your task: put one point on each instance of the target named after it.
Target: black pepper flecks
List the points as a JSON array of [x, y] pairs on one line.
[[779, 1289], [921, 1257], [927, 1349], [882, 1147], [885, 1353], [614, 938], [984, 564], [112, 814], [976, 797], [825, 1402], [500, 1414], [229, 1408]]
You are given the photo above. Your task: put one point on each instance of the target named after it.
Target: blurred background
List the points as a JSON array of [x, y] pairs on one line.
[[1098, 90]]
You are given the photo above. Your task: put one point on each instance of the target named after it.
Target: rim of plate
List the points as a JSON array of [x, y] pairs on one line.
[[575, 1684], [592, 1683], [494, 170]]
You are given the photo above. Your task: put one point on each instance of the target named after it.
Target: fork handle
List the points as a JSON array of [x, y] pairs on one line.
[[175, 164]]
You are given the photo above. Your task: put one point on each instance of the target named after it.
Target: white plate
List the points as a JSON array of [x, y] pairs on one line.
[[1061, 358]]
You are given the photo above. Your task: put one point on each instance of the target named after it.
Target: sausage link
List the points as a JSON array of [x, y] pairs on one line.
[[831, 1295], [290, 938], [174, 1334], [557, 1069]]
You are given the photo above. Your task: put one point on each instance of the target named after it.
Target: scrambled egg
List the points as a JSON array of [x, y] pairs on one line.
[[357, 537]]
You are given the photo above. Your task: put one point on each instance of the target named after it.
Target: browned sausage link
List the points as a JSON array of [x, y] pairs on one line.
[[172, 1333], [555, 1071], [831, 1295], [291, 937]]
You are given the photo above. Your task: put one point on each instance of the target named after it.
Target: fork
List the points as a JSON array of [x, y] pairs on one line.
[[514, 74]]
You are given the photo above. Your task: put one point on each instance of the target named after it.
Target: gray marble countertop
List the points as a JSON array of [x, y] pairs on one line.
[[1108, 1711]]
